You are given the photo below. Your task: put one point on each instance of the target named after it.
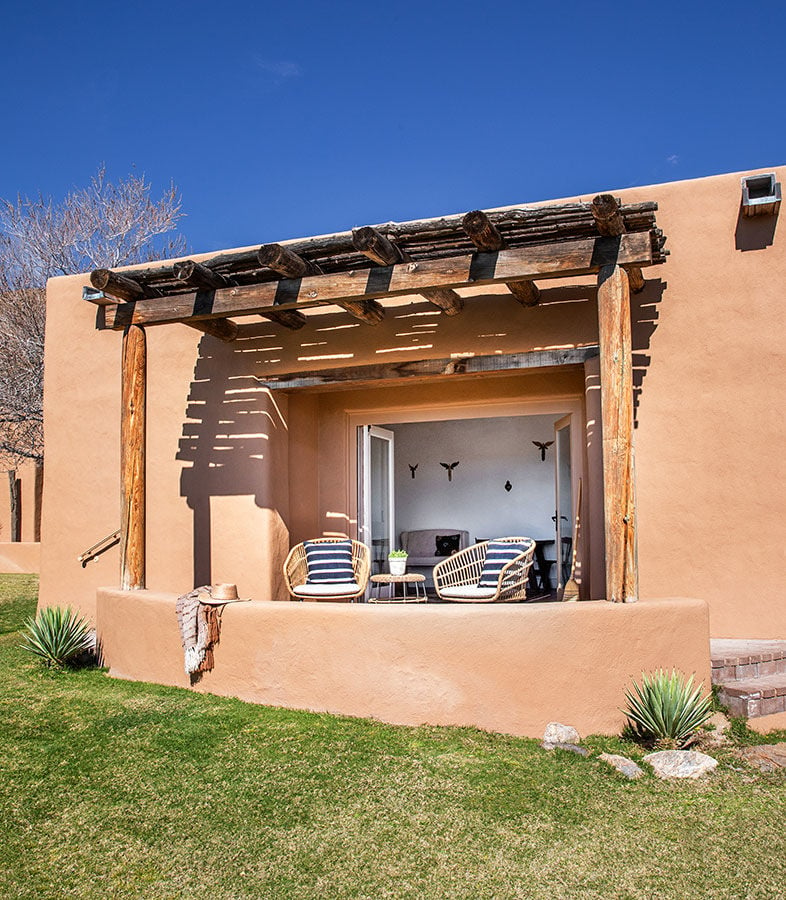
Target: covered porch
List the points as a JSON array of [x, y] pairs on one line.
[[585, 251], [560, 276]]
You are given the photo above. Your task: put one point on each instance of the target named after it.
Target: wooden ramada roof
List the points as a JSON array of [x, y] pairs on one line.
[[357, 269]]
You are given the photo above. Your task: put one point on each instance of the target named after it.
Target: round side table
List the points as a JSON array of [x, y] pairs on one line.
[[378, 583]]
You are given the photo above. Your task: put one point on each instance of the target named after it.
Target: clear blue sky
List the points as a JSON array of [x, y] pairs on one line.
[[293, 118]]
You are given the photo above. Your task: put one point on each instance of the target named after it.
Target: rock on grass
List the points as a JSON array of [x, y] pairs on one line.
[[622, 764], [680, 763]]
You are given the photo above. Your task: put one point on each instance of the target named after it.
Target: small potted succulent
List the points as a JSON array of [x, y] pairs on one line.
[[397, 561]]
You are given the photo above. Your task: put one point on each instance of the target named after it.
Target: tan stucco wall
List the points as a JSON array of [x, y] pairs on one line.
[[509, 668], [18, 556], [232, 467], [711, 424]]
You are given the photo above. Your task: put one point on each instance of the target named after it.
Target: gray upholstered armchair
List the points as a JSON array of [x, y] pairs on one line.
[[422, 547]]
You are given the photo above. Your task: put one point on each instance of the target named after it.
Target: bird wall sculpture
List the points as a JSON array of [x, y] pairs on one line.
[[543, 447], [450, 467]]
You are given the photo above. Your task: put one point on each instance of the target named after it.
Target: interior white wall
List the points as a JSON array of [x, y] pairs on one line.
[[490, 452]]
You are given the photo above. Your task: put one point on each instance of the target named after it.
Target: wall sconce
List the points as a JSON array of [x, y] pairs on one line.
[[761, 195]]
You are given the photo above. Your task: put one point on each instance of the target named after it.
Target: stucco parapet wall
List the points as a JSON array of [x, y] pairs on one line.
[[507, 668]]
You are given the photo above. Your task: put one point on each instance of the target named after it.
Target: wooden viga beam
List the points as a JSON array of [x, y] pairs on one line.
[[120, 286], [485, 236], [609, 222], [201, 277], [384, 252], [282, 260], [559, 260], [126, 288]]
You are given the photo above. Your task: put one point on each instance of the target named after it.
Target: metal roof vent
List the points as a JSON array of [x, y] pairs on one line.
[[761, 195]]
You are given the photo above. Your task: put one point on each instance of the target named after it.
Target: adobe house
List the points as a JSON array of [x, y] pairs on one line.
[[203, 416]]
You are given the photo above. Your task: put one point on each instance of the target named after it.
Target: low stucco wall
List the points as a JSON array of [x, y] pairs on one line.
[[20, 557], [506, 668]]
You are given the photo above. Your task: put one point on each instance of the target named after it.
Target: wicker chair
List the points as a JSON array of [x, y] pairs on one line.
[[296, 575], [457, 577]]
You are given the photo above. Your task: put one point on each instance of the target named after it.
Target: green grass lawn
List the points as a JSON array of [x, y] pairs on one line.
[[110, 789]]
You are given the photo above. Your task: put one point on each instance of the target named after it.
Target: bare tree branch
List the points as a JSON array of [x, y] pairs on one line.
[[101, 226]]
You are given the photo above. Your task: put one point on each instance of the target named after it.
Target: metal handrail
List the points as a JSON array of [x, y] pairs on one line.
[[98, 548]]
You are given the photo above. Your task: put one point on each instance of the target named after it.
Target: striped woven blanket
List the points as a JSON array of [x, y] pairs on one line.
[[192, 617]]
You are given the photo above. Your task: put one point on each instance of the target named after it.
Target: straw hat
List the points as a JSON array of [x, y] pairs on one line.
[[221, 594]]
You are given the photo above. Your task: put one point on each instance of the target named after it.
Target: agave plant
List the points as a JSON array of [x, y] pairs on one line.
[[666, 709], [57, 635]]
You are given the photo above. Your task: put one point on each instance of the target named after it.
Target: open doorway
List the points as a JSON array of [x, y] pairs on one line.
[[469, 479], [376, 492]]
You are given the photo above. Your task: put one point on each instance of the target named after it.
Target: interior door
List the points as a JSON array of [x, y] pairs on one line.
[[563, 481], [376, 503]]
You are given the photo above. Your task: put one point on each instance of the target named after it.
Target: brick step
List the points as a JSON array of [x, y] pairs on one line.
[[741, 660], [754, 697]]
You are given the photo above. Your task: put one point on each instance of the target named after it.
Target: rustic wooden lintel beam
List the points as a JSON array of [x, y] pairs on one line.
[[482, 231], [525, 292], [485, 235], [120, 286], [368, 311], [609, 222], [384, 252], [282, 260], [289, 318], [423, 368], [376, 246], [635, 278], [445, 299], [558, 260], [607, 215], [198, 276], [223, 329]]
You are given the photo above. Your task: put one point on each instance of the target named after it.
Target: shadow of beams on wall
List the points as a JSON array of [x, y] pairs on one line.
[[411, 324], [230, 439], [644, 322], [231, 436]]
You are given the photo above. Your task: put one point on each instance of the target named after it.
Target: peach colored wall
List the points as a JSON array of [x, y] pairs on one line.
[[217, 447], [711, 426], [492, 666], [232, 469], [20, 556]]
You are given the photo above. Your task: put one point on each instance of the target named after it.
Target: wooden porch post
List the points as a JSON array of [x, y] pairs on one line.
[[13, 487], [38, 489], [132, 459], [616, 397]]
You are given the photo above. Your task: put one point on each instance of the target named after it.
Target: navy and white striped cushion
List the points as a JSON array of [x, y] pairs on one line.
[[329, 563], [498, 555]]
